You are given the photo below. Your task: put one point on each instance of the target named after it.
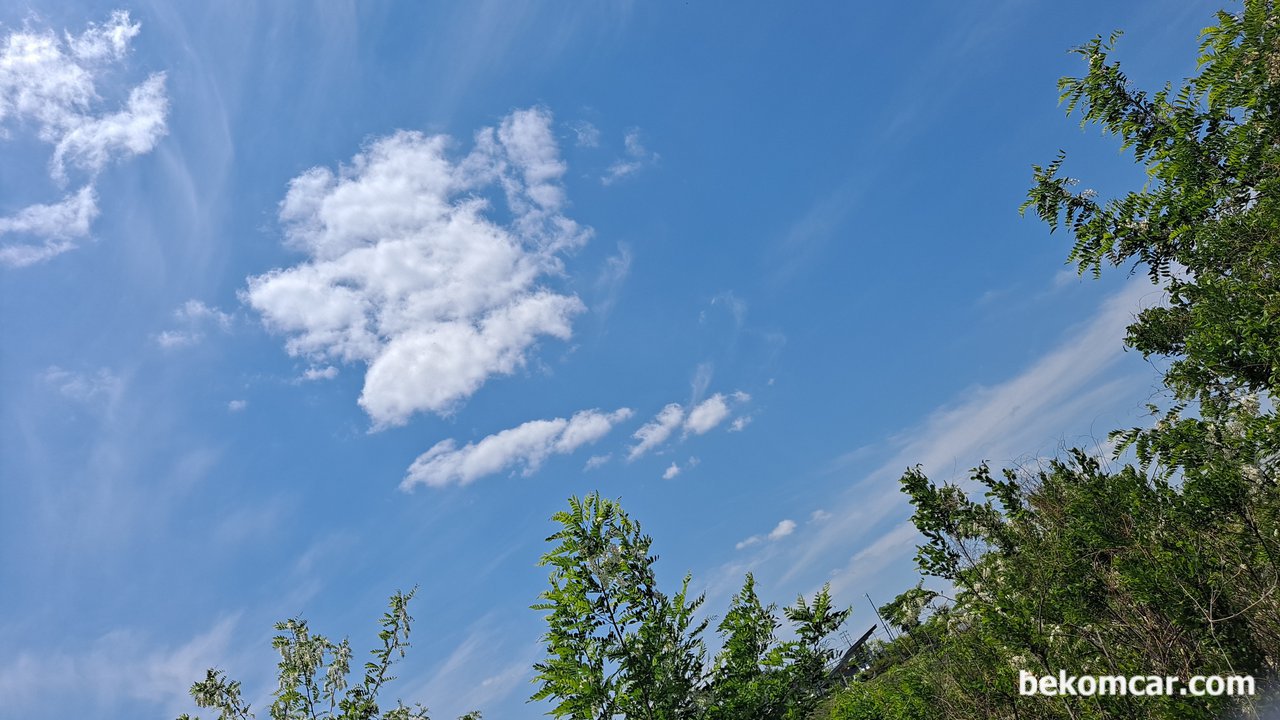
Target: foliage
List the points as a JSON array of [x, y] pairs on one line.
[[1167, 566], [758, 678], [314, 675], [1207, 227], [616, 645], [619, 647]]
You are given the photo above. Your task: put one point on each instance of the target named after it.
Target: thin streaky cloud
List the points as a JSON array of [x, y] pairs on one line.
[[989, 422], [636, 157]]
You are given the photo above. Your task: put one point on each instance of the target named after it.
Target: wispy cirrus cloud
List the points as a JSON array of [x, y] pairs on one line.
[[527, 446], [407, 273], [609, 282], [636, 157], [195, 319], [585, 134], [118, 667], [51, 83], [1061, 389], [480, 671], [326, 372]]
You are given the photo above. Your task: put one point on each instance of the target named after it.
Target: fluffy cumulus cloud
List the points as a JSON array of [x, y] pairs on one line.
[[781, 530], [411, 270], [709, 413], [50, 83], [700, 419], [528, 445]]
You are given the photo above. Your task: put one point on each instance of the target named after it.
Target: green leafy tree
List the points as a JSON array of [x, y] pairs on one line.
[[749, 681], [1206, 226], [814, 622], [756, 677], [616, 645], [1168, 565], [314, 676]]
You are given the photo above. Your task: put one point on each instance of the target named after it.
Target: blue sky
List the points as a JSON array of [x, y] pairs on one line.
[[305, 303]]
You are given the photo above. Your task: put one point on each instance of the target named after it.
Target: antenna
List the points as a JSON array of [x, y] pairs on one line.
[[883, 624]]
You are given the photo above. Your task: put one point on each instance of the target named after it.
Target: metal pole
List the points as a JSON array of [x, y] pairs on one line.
[[883, 624]]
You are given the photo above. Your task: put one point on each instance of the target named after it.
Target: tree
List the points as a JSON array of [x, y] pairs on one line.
[[1207, 227], [814, 622], [313, 679], [758, 678], [616, 645], [748, 682], [1168, 565]]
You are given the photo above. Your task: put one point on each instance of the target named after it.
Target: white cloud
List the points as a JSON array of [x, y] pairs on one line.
[[59, 225], [671, 472], [1063, 278], [703, 417], [406, 273], [736, 306], [891, 547], [170, 339], [197, 312], [702, 379], [781, 530], [237, 405], [819, 516], [585, 134], [50, 83], [1060, 390], [195, 319], [327, 372], [483, 669], [706, 415], [117, 667], [784, 528], [596, 461], [656, 431], [637, 158], [134, 130], [740, 424], [807, 239], [100, 386], [612, 276], [529, 445]]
